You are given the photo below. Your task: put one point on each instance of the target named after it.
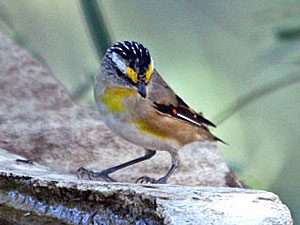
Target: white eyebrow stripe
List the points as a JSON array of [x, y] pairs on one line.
[[120, 64], [152, 63]]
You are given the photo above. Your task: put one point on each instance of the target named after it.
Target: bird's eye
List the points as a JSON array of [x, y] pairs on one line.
[[120, 74]]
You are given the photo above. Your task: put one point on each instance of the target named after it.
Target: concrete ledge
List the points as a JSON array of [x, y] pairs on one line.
[[38, 193]]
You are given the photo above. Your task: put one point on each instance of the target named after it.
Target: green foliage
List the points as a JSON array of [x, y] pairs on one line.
[[97, 27], [255, 95]]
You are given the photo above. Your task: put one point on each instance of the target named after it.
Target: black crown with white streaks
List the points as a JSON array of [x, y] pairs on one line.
[[137, 56]]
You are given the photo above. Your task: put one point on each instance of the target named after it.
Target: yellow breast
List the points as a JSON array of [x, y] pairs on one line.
[[114, 98], [151, 128]]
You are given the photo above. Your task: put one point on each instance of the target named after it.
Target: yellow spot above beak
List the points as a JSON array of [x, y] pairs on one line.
[[149, 73], [132, 74]]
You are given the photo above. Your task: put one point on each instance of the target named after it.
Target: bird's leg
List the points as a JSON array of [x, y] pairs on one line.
[[104, 173], [164, 179]]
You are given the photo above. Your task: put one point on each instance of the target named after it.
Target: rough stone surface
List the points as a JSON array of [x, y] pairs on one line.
[[33, 188], [38, 120]]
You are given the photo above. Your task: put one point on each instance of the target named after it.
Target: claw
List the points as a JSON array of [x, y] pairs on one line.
[[145, 180], [149, 180], [80, 172], [91, 174]]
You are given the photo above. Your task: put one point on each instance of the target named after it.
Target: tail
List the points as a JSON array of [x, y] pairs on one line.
[[220, 140]]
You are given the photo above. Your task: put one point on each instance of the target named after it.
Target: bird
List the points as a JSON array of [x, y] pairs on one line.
[[138, 105]]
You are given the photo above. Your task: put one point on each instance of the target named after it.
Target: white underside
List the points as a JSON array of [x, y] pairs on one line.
[[130, 132]]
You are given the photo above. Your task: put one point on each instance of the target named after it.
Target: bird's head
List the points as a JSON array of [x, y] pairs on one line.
[[131, 65]]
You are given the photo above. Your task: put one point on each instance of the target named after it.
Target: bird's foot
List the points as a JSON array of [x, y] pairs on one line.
[[91, 174], [26, 161], [149, 180]]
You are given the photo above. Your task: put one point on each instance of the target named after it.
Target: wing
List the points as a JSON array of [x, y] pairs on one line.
[[167, 102], [183, 112]]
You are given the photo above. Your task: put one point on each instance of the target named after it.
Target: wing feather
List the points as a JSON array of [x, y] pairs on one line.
[[167, 102], [183, 112]]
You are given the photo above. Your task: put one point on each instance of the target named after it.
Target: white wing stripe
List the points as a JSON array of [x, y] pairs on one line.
[[188, 119]]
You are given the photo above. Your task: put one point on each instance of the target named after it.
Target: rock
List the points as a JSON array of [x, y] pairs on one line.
[[39, 121], [32, 193]]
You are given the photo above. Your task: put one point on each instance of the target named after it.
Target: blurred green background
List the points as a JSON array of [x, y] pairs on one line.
[[236, 61]]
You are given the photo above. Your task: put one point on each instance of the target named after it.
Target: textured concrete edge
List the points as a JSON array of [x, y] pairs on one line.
[[75, 203], [43, 191]]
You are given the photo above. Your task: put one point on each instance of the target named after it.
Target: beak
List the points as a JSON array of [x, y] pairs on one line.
[[142, 89]]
